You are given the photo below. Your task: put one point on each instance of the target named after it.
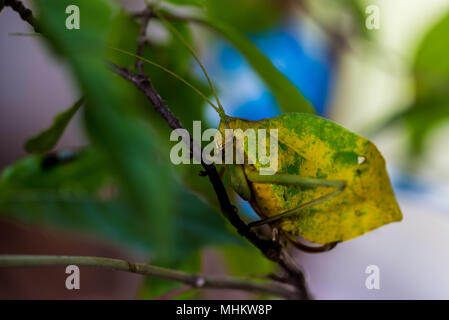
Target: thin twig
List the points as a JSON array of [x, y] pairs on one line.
[[271, 249], [192, 280], [143, 83], [141, 41], [25, 13]]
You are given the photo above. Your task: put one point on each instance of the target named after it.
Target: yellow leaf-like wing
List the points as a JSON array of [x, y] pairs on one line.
[[313, 147]]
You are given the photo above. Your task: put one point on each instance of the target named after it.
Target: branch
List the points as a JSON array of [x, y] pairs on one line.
[[192, 280], [146, 16], [25, 13], [270, 249]]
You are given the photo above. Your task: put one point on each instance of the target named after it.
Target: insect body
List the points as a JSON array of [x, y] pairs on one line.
[[331, 184]]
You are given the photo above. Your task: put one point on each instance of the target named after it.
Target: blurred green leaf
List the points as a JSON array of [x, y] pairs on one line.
[[123, 34], [246, 15], [111, 119], [431, 72], [173, 54], [431, 67], [67, 194], [79, 191], [66, 170], [421, 118], [198, 3], [246, 260], [288, 96], [186, 104], [47, 139]]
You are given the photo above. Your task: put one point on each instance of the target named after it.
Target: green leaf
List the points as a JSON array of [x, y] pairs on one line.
[[112, 120], [123, 34], [71, 171], [421, 118], [431, 67], [47, 139], [431, 73], [197, 3], [177, 58], [246, 261], [78, 191], [288, 96], [245, 15], [66, 192]]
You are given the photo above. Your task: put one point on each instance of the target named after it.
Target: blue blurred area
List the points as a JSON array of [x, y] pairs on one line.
[[405, 182], [304, 58], [307, 61]]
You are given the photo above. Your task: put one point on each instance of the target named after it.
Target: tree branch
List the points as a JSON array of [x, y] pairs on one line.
[[192, 280], [25, 13], [146, 16], [270, 249]]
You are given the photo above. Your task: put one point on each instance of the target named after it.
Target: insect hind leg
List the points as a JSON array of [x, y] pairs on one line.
[[306, 248], [287, 179], [297, 210]]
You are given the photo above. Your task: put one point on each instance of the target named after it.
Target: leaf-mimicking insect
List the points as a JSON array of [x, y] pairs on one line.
[[331, 185]]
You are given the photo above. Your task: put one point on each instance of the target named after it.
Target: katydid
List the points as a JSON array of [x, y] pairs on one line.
[[331, 184]]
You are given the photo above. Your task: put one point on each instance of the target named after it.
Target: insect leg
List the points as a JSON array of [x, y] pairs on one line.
[[290, 179], [297, 210], [295, 180], [301, 246]]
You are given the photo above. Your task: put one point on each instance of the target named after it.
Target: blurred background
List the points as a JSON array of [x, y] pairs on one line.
[[389, 84]]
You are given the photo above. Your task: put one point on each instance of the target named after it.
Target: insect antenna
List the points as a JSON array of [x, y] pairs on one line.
[[220, 110], [170, 72]]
